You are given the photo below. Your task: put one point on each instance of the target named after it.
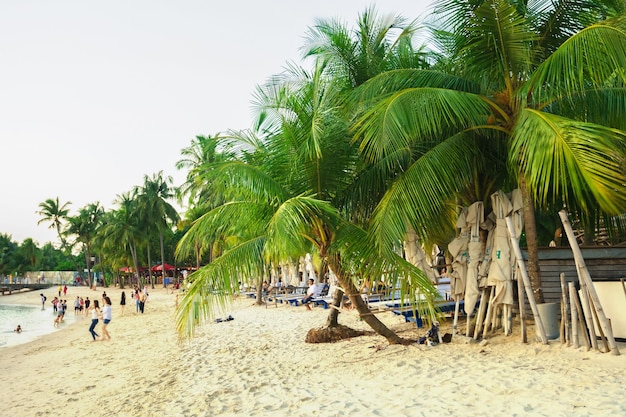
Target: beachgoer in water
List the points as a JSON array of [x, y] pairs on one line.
[[43, 301], [60, 313], [18, 329], [95, 315], [107, 315]]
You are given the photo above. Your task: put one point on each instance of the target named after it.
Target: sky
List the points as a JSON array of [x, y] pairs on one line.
[[96, 94]]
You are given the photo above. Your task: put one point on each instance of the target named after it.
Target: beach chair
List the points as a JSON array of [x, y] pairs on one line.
[[321, 290]]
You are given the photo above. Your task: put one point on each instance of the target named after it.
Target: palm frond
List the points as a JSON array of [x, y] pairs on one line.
[[563, 158], [586, 61]]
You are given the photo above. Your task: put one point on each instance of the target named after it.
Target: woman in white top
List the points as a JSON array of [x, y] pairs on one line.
[[107, 315], [95, 313]]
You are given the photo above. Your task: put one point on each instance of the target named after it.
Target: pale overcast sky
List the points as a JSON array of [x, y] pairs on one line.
[[96, 94]]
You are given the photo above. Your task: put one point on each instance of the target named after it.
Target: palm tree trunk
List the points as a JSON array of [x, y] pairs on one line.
[[333, 315], [162, 258], [530, 227], [358, 302]]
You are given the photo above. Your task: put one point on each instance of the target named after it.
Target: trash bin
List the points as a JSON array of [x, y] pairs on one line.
[[549, 313]]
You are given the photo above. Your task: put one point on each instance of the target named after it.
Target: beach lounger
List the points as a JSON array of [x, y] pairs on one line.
[[411, 314]]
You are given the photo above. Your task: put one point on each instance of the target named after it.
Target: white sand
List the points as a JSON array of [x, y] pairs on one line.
[[259, 365]]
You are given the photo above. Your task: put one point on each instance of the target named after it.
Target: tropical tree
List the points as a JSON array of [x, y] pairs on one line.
[[532, 89], [155, 210], [56, 214], [282, 206], [124, 229], [84, 226]]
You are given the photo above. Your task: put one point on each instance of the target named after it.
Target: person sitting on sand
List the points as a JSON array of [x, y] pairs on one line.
[[310, 292], [18, 329]]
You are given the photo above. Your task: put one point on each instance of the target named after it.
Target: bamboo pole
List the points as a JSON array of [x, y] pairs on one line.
[[481, 313], [602, 336], [584, 273], [574, 314], [579, 313], [489, 313], [584, 300], [456, 318], [564, 309], [522, 307], [527, 287]]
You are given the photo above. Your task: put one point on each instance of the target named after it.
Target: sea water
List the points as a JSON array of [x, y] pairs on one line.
[[34, 321]]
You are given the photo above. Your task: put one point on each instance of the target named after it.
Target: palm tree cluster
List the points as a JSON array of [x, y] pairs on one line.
[[120, 236], [382, 139]]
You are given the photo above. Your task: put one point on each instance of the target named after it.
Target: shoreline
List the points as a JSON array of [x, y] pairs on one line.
[[259, 365]]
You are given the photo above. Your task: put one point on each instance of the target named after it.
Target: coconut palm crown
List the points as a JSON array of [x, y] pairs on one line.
[[523, 93]]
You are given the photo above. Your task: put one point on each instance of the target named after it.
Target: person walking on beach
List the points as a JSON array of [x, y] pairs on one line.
[[77, 306], [87, 303], [107, 315], [95, 315], [142, 301], [64, 290], [123, 301], [60, 290], [43, 301], [137, 297]]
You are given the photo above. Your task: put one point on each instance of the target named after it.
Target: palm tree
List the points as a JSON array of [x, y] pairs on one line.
[[123, 228], [84, 226], [282, 206], [155, 209], [55, 213], [533, 89]]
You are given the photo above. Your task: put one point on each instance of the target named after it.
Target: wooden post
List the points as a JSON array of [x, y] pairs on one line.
[[579, 314], [602, 336], [584, 300], [583, 273], [489, 313], [456, 318], [481, 313], [527, 287], [522, 307], [574, 313], [564, 309], [623, 286]]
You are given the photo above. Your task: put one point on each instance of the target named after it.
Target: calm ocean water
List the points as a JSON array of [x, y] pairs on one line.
[[35, 322]]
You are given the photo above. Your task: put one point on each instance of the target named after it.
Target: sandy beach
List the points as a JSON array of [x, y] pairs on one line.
[[259, 365]]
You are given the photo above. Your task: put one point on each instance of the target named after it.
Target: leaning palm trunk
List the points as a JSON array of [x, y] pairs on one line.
[[355, 298], [530, 226]]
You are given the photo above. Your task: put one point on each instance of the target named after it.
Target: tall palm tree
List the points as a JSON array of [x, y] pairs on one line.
[[533, 89], [155, 209], [123, 228], [282, 206], [55, 213], [83, 226]]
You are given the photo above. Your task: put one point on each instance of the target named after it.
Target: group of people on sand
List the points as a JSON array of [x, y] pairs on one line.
[[99, 310]]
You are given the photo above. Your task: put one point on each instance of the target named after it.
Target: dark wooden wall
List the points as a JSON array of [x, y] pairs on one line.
[[605, 263]]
